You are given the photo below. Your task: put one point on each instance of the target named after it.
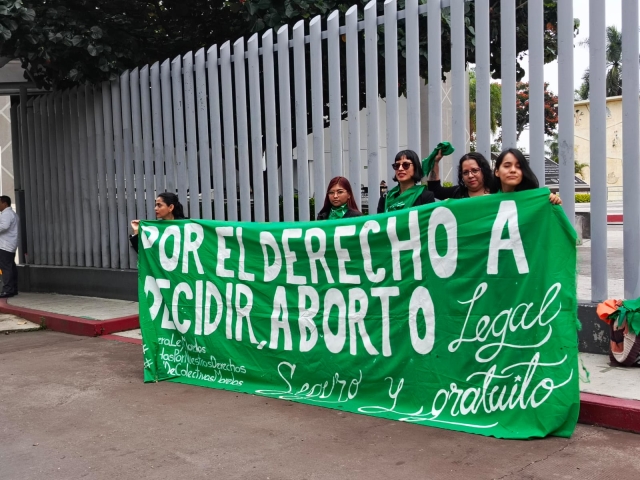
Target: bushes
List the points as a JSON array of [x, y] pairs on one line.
[[583, 197]]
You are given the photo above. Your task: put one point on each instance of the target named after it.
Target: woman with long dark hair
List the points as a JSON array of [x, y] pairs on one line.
[[514, 174], [339, 201], [474, 178], [168, 207], [409, 192]]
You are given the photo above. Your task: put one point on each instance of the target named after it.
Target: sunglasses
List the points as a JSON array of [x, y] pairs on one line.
[[403, 165]]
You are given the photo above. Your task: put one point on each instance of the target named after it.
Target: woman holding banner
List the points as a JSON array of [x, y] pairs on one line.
[[474, 178], [339, 201], [408, 193], [515, 175], [167, 208]]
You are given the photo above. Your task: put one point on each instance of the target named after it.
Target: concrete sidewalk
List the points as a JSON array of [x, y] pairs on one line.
[[72, 314]]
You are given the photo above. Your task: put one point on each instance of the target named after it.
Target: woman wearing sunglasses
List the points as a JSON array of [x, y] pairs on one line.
[[339, 201], [514, 174], [474, 178], [408, 193]]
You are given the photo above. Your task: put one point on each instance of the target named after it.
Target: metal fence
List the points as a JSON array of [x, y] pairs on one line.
[[217, 127]]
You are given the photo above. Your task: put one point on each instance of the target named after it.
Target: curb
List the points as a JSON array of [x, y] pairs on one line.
[[610, 412], [72, 325]]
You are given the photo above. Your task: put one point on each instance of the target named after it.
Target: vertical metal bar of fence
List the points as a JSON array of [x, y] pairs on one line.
[[483, 79], [508, 66], [121, 227], [391, 84], [203, 134], [27, 215], [460, 99], [127, 147], [300, 89], [271, 153], [156, 112], [286, 155], [55, 193], [136, 131], [167, 124], [147, 143], [77, 177], [216, 135], [73, 221], [536, 89], [630, 150], [178, 129], [46, 184], [565, 108], [353, 106], [371, 69], [83, 155], [598, 150], [101, 199], [317, 107], [110, 169], [17, 176], [244, 178], [191, 138], [434, 54], [41, 232], [229, 134], [92, 169], [32, 199], [413, 75], [335, 95], [60, 166], [256, 128]]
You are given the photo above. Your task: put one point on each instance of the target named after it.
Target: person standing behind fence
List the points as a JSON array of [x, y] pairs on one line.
[[515, 175], [408, 193], [339, 201], [167, 208], [474, 178], [9, 224]]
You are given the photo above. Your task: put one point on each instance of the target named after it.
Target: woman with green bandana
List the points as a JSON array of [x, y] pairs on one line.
[[408, 193], [339, 202]]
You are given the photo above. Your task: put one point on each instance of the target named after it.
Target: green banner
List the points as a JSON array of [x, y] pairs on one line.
[[459, 314]]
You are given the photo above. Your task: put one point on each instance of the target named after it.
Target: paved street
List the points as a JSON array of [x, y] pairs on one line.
[[75, 407]]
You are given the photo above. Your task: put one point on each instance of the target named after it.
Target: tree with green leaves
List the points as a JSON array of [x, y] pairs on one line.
[[613, 56], [495, 107], [65, 42]]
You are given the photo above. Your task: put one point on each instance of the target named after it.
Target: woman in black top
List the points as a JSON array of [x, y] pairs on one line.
[[409, 192], [167, 208], [339, 201], [474, 178]]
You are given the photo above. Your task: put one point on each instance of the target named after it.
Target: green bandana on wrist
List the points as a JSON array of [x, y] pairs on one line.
[[430, 161]]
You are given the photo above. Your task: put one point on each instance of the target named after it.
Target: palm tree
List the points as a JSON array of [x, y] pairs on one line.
[[613, 55]]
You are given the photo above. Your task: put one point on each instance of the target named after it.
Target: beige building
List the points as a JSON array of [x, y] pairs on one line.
[[614, 143]]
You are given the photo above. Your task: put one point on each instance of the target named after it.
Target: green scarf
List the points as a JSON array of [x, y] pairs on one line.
[[429, 162], [398, 201], [338, 212]]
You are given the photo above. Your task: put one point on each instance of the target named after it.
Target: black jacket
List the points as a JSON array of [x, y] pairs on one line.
[[133, 240], [348, 214], [442, 193], [425, 197]]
